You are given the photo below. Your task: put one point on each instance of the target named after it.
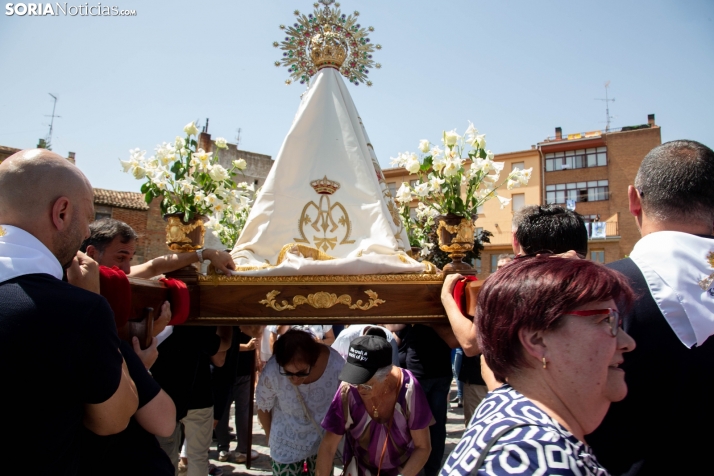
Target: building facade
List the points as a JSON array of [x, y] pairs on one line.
[[590, 172]]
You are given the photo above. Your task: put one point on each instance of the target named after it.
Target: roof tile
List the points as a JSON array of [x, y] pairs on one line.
[[132, 200]]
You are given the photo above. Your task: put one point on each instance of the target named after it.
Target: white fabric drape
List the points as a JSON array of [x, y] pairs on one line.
[[21, 253], [357, 227], [674, 264]]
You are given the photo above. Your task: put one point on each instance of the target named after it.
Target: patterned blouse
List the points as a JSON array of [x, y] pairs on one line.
[[293, 436], [364, 437], [541, 447]]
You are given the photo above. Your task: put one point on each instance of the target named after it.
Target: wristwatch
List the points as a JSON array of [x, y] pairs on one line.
[[199, 253]]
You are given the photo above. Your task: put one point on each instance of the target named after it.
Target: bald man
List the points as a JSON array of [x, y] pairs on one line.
[[60, 366]]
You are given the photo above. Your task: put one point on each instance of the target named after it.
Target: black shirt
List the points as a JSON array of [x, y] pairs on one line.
[[424, 353], [59, 351], [664, 425], [183, 367], [134, 451], [471, 370]]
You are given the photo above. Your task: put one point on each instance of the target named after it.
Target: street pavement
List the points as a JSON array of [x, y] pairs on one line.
[[261, 465]]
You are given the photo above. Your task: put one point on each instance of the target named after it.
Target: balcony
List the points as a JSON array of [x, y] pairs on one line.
[[603, 230]]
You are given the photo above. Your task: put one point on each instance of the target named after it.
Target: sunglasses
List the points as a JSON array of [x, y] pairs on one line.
[[361, 386], [300, 374], [613, 317]]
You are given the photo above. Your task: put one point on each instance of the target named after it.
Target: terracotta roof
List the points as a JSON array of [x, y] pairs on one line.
[[113, 198]]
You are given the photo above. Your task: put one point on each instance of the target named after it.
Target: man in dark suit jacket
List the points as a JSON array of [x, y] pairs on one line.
[[60, 364], [664, 424]]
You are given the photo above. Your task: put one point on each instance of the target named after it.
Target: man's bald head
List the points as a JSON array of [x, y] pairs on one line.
[[48, 196], [31, 180]]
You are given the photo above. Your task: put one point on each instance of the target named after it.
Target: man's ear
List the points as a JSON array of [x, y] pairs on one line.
[[514, 243], [61, 213], [533, 344], [93, 252], [635, 201]]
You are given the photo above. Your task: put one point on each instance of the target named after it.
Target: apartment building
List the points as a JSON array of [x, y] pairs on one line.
[[590, 172]]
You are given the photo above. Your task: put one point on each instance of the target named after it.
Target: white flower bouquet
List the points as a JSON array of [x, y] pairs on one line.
[[192, 182], [458, 179]]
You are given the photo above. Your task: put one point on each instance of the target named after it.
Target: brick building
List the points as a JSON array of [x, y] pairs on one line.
[[592, 171], [146, 220]]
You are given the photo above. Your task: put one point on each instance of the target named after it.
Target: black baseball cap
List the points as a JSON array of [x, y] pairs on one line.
[[367, 354]]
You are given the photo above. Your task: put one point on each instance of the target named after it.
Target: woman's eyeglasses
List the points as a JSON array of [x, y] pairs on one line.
[[361, 386], [300, 374], [613, 317]]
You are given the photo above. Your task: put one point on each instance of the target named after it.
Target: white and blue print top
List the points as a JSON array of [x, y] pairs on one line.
[[542, 447]]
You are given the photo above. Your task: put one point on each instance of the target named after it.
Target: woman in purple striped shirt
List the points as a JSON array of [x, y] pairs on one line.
[[382, 412]]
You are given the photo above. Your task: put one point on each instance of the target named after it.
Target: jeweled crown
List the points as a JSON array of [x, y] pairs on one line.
[[327, 37], [326, 50], [325, 186]]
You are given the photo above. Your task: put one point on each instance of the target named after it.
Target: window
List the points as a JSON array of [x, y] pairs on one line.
[[518, 201], [478, 231], [576, 159], [478, 266], [518, 165], [392, 189], [102, 211], [479, 210], [592, 191], [494, 263], [413, 183], [597, 256], [412, 213]]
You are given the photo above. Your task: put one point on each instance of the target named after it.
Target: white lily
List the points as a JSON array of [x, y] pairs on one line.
[[412, 164], [504, 201], [404, 195], [422, 189], [190, 129]]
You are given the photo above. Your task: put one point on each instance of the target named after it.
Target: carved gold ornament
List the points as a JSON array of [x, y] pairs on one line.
[[706, 283], [321, 300], [324, 220]]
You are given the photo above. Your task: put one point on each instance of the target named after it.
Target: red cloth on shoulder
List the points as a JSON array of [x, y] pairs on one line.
[[115, 287], [179, 300], [459, 293]]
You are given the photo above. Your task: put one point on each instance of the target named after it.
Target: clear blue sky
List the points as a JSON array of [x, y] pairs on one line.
[[516, 68]]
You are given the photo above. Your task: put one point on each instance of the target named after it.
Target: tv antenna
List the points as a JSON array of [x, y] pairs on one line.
[[238, 137], [48, 141], [607, 106]]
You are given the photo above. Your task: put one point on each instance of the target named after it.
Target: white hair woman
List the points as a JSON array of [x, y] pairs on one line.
[[382, 412]]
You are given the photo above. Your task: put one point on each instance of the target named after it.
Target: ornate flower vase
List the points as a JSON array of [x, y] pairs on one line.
[[456, 237], [183, 237], [414, 252]]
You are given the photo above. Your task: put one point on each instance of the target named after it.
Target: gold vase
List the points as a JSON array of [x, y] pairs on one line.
[[456, 237], [184, 237]]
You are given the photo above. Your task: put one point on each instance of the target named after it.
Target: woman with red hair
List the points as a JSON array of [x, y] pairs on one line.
[[550, 328]]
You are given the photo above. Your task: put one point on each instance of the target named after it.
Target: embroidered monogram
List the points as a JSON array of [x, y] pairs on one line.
[[324, 220]]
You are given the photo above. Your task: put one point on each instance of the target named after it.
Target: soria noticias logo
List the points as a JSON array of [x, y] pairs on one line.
[[65, 9]]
